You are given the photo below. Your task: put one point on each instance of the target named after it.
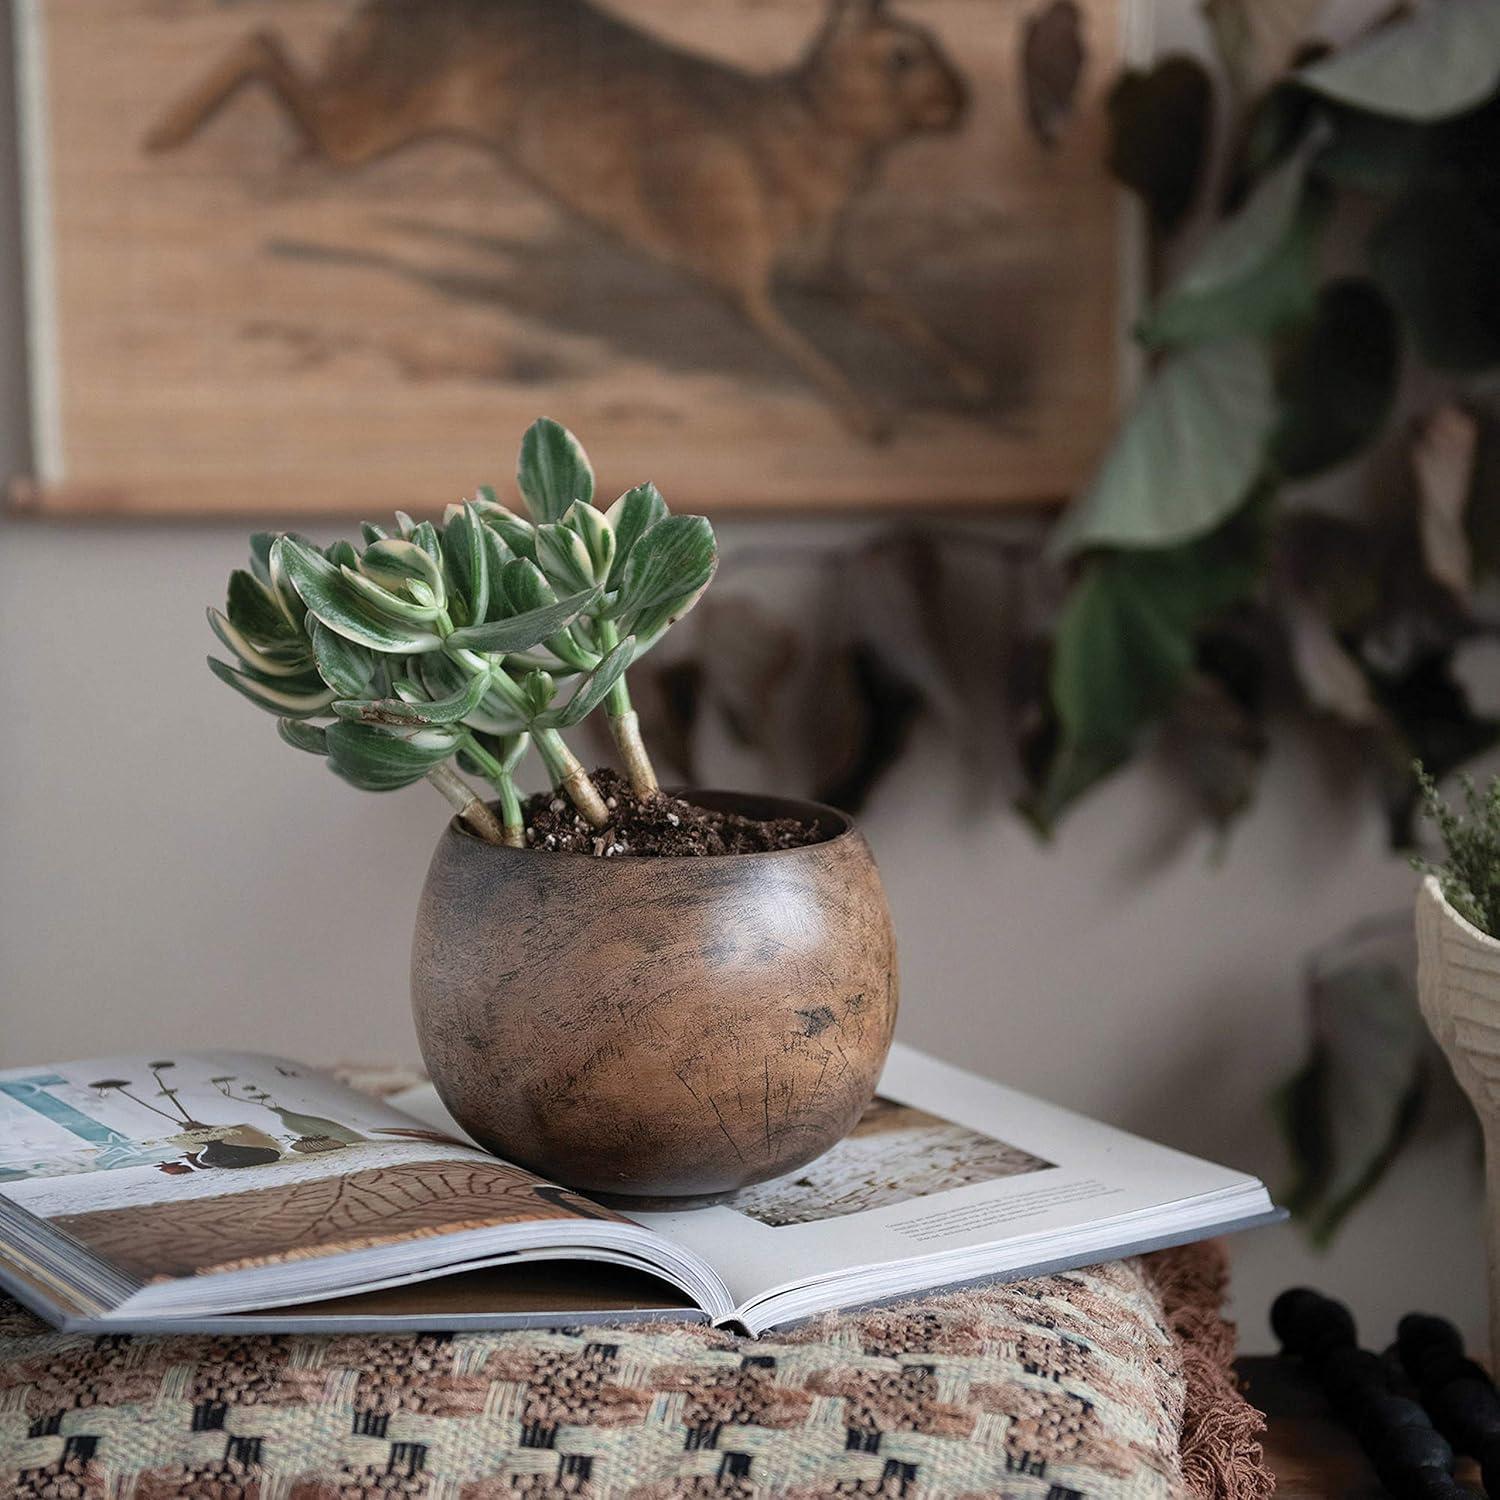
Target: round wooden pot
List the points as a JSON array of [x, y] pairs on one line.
[[657, 1027]]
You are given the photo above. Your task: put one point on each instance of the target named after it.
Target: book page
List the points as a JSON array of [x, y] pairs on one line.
[[942, 1162], [198, 1164]]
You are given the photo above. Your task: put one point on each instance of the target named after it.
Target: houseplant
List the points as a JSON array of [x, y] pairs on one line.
[[590, 1001], [1458, 976]]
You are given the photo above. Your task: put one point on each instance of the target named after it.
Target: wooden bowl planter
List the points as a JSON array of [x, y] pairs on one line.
[[655, 1027], [1458, 985]]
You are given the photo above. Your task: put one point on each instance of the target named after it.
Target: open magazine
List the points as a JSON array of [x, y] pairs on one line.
[[237, 1191]]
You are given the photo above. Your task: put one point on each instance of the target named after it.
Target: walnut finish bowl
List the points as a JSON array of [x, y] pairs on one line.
[[657, 1027]]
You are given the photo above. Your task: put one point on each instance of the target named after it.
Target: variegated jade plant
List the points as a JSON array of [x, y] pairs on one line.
[[440, 645]]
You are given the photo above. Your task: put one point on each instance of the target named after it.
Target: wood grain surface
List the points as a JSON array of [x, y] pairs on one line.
[[656, 1026]]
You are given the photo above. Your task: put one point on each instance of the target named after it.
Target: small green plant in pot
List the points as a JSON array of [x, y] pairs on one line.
[[590, 1000], [1458, 973]]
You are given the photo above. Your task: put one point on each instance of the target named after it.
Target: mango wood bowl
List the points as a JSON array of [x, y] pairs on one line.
[[657, 1027]]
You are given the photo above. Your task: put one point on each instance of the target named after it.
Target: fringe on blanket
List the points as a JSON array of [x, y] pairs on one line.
[[1221, 1453]]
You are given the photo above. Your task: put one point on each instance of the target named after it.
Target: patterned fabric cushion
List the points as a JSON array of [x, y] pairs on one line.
[[1107, 1382]]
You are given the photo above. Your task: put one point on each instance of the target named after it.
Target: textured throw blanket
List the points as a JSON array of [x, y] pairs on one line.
[[1112, 1381]]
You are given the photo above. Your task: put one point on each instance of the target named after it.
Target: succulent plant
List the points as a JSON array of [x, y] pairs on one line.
[[431, 647]]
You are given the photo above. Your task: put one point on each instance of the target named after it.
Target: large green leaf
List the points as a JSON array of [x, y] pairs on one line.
[[1187, 455], [293, 698], [328, 595], [1441, 61], [517, 532], [564, 557], [396, 564], [381, 760], [1436, 253], [291, 659], [1161, 126], [592, 689], [300, 735], [634, 513], [553, 470], [466, 557], [1237, 253], [345, 667], [672, 561], [523, 631], [396, 607], [452, 709], [255, 609], [1338, 382], [1126, 642]]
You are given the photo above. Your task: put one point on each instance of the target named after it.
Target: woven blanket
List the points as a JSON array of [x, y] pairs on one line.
[[1107, 1382]]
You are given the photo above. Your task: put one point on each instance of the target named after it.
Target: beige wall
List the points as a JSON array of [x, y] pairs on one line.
[[170, 876]]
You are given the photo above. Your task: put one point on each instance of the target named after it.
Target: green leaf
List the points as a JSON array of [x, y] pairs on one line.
[[345, 667], [342, 554], [255, 609], [496, 557], [553, 470], [448, 710], [260, 555], [466, 561], [1161, 126], [516, 531], [1338, 382], [669, 565], [538, 689], [1436, 252], [1441, 61], [592, 689], [523, 631], [594, 531], [372, 533], [380, 760], [328, 595], [1126, 642], [564, 557], [312, 738], [292, 699], [634, 513], [1354, 1101], [525, 587], [1187, 455], [396, 565], [413, 611], [290, 660], [405, 525]]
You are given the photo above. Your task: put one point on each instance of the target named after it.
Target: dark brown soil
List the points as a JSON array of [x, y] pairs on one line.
[[661, 825]]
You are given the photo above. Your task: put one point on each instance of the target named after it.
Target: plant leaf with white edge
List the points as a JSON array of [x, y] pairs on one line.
[[285, 701], [634, 513], [380, 760], [496, 556], [1441, 61], [285, 591], [329, 596], [592, 689], [255, 609], [372, 533], [518, 533], [523, 631], [396, 564], [342, 553], [673, 560], [1187, 455], [525, 587], [538, 689], [405, 525], [425, 535], [652, 624], [564, 557], [260, 555], [594, 530], [347, 668], [300, 735], [553, 470], [467, 560], [390, 605], [450, 710], [285, 661]]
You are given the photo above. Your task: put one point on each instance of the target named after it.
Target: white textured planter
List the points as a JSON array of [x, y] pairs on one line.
[[1458, 984]]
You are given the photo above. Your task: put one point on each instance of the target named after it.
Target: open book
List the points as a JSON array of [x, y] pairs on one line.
[[237, 1191]]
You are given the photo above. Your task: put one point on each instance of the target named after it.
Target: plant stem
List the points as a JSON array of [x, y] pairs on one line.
[[513, 830], [625, 724], [568, 775], [467, 803]]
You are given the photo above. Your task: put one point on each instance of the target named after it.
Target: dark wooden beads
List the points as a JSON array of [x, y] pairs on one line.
[[1459, 1393], [1369, 1393]]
